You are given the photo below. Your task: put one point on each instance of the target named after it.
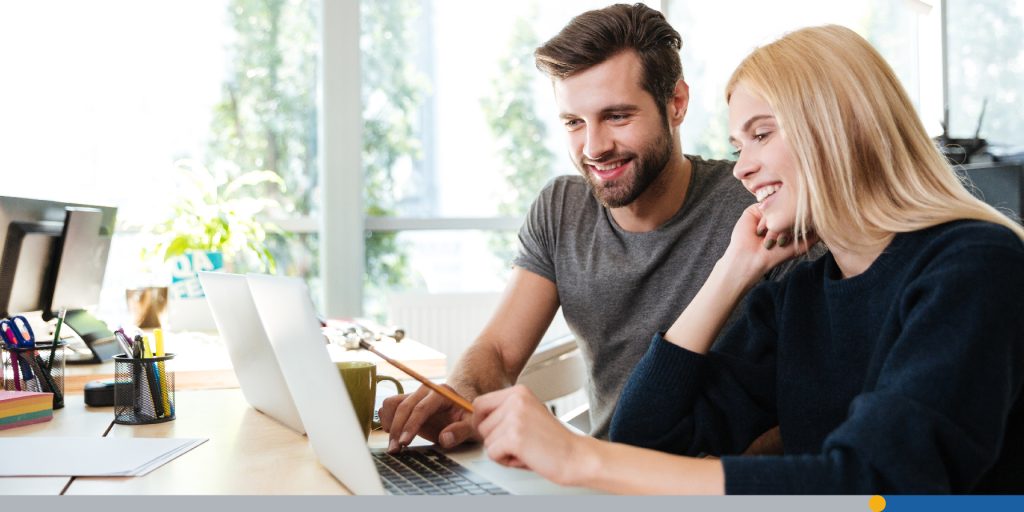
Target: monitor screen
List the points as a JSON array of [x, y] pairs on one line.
[[53, 256], [27, 249]]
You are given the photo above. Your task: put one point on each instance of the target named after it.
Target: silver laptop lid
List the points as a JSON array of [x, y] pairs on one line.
[[290, 321], [252, 357]]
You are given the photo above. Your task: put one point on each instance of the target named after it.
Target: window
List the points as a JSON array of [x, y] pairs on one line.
[[459, 129], [460, 125], [718, 35], [105, 102], [986, 70]]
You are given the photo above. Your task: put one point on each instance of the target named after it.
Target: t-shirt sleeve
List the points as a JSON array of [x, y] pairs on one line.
[[681, 402], [936, 420], [537, 235]]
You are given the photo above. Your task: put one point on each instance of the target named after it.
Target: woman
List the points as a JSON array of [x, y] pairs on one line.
[[893, 364]]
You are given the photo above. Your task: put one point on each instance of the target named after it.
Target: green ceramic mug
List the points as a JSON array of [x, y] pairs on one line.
[[361, 381]]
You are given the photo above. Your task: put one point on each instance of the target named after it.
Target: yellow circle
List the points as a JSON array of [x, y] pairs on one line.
[[876, 503]]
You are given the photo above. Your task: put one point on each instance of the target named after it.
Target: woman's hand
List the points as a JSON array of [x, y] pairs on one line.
[[754, 250], [519, 431]]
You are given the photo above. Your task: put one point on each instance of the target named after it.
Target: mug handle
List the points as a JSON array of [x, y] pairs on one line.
[[374, 424]]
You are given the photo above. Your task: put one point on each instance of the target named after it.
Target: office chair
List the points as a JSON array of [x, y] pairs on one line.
[[556, 373]]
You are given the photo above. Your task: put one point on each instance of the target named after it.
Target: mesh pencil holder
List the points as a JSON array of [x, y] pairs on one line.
[[143, 390], [33, 369]]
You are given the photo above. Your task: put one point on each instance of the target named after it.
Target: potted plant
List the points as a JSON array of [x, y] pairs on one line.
[[215, 223]]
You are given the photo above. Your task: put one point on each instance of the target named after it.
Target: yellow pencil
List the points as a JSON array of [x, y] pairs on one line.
[[158, 334]]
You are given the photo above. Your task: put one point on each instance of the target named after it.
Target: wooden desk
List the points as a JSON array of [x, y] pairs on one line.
[[74, 420], [201, 362], [247, 453]]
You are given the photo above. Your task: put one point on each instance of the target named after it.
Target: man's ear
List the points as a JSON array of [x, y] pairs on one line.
[[679, 102]]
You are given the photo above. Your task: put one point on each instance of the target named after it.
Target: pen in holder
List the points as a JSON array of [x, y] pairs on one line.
[[39, 368], [143, 390]]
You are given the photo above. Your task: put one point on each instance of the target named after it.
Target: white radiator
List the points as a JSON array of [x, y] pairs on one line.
[[450, 322], [447, 322]]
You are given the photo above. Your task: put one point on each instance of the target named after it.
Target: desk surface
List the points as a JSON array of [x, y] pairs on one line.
[[201, 362], [247, 453], [73, 420]]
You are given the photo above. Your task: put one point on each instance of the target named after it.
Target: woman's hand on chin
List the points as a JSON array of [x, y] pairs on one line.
[[754, 249]]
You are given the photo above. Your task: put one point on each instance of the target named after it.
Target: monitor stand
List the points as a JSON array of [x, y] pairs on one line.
[[96, 335]]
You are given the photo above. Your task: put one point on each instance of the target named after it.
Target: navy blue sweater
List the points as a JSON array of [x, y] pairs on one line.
[[904, 379]]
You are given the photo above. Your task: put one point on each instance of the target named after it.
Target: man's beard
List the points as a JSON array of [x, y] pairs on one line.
[[647, 167]]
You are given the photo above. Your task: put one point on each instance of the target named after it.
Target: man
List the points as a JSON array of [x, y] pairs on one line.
[[623, 247]]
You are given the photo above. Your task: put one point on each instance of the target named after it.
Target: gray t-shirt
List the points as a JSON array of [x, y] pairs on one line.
[[618, 288]]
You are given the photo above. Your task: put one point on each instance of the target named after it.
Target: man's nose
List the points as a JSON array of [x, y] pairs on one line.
[[598, 144]]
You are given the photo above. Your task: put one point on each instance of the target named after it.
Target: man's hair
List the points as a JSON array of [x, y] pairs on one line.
[[867, 166], [595, 36]]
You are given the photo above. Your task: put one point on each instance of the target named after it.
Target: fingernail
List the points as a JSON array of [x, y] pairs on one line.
[[783, 241], [393, 446], [761, 231], [447, 440], [768, 244], [406, 438]]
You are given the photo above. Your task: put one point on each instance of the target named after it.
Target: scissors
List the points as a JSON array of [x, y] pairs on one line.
[[18, 333]]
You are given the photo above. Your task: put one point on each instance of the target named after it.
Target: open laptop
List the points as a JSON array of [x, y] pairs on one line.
[[290, 321], [251, 354]]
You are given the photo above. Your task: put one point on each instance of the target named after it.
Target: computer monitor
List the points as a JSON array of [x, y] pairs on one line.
[[54, 257]]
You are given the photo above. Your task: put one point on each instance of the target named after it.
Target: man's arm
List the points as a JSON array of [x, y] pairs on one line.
[[493, 362]]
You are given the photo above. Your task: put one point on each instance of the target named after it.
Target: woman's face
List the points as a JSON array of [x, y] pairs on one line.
[[764, 165]]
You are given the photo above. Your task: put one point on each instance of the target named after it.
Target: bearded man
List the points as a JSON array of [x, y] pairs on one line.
[[640, 212]]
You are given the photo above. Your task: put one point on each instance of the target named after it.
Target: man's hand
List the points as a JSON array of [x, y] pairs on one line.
[[427, 414]]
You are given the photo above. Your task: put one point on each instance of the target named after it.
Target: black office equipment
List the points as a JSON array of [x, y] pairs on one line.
[[959, 151], [99, 393], [54, 256], [998, 184], [143, 390]]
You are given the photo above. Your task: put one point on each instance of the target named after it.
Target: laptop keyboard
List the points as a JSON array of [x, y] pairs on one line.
[[429, 472]]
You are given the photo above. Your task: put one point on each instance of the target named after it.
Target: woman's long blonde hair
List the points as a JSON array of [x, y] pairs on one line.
[[868, 168]]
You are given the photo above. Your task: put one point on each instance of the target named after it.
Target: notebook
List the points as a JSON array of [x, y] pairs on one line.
[[291, 325], [20, 408], [251, 354]]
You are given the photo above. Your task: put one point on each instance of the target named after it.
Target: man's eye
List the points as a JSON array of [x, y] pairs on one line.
[[572, 123]]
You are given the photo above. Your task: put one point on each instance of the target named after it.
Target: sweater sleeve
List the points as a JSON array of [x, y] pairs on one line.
[[682, 402], [935, 422]]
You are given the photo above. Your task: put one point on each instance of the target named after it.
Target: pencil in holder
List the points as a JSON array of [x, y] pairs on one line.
[[39, 368], [143, 390]]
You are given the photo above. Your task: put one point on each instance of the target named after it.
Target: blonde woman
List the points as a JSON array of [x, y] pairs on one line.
[[893, 364]]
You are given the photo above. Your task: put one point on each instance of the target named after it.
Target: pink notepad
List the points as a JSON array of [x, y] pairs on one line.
[[19, 408]]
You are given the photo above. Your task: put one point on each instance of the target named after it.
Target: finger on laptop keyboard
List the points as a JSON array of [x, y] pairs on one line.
[[428, 417]]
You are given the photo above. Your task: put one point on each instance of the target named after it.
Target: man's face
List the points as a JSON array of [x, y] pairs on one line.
[[618, 138]]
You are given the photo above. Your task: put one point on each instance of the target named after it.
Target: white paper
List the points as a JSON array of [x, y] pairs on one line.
[[88, 456]]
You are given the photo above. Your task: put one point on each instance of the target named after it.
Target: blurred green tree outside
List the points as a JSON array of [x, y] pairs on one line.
[[520, 135]]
